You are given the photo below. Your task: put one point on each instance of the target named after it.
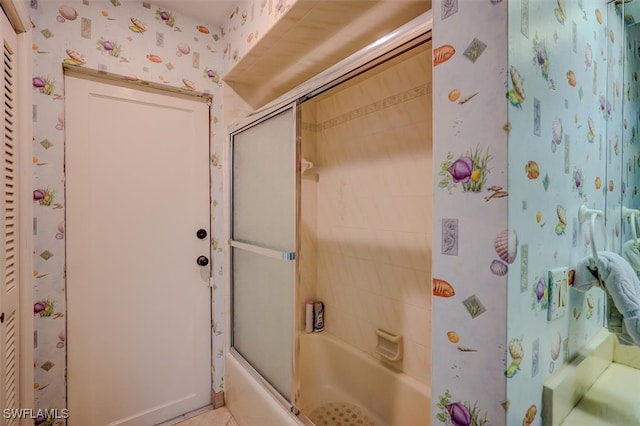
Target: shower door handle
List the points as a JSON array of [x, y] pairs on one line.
[[202, 260]]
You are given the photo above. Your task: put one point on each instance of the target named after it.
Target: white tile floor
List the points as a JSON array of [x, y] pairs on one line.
[[219, 417]]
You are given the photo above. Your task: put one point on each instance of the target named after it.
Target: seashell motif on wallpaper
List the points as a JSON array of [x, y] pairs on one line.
[[68, 13], [560, 13], [556, 131], [459, 413], [203, 29], [109, 46], [590, 305], [516, 95], [441, 288], [167, 17], [188, 84], [541, 56], [183, 49], [506, 245], [138, 26], [598, 16], [154, 58], [74, 58], [562, 215], [571, 78], [532, 169], [515, 349], [454, 95], [588, 56], [453, 336], [562, 220], [498, 268], [443, 54], [517, 353], [592, 130], [530, 415], [556, 345]]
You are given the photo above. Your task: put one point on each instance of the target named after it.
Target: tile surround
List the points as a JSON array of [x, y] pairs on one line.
[[373, 239]]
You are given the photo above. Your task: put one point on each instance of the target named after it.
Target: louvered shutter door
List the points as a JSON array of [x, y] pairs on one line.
[[9, 329]]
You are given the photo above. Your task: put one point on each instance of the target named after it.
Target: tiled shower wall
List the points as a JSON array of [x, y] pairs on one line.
[[374, 201]]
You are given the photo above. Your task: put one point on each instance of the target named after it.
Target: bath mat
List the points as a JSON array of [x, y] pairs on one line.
[[340, 414]]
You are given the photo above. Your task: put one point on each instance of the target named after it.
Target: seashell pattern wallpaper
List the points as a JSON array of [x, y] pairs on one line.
[[569, 64], [477, 249], [138, 41], [629, 146], [522, 138], [535, 141]]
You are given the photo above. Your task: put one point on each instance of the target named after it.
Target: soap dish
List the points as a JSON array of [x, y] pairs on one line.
[[389, 345]]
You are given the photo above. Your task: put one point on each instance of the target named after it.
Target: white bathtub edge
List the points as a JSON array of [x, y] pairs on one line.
[[249, 402]]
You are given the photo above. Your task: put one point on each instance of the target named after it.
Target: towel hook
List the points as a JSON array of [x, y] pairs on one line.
[[584, 214], [631, 213]]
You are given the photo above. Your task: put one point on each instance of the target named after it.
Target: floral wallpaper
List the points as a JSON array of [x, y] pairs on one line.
[[473, 248], [563, 91], [137, 41]]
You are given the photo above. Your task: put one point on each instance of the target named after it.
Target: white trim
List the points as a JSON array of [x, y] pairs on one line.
[[16, 11]]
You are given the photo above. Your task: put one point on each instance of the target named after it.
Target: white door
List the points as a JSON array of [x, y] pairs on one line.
[[9, 315], [139, 304]]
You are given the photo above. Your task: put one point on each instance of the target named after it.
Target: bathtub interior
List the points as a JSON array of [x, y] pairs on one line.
[[342, 384]]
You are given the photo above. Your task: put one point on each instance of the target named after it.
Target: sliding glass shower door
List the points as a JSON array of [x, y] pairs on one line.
[[263, 245]]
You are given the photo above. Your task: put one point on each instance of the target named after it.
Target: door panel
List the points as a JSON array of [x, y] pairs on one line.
[[264, 241], [139, 306]]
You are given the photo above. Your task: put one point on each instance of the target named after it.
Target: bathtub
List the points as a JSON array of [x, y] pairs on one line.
[[337, 378]]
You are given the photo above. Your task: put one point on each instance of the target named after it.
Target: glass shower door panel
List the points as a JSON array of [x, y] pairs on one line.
[[263, 183], [263, 316], [263, 241]]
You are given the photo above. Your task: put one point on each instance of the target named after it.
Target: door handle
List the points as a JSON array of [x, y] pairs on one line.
[[202, 260], [1, 318], [201, 234]]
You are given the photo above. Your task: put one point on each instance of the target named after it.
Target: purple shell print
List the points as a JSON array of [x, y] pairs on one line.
[[461, 169], [540, 289], [460, 415]]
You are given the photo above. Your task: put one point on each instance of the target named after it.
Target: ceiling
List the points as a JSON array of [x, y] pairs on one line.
[[214, 12]]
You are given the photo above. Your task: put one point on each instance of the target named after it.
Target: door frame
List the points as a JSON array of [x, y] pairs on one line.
[[149, 87]]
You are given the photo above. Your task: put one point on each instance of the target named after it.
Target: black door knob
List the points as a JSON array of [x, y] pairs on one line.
[[202, 260], [201, 234]]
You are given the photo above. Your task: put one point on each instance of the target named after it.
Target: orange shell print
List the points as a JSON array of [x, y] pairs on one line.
[[442, 54], [442, 288], [154, 58]]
